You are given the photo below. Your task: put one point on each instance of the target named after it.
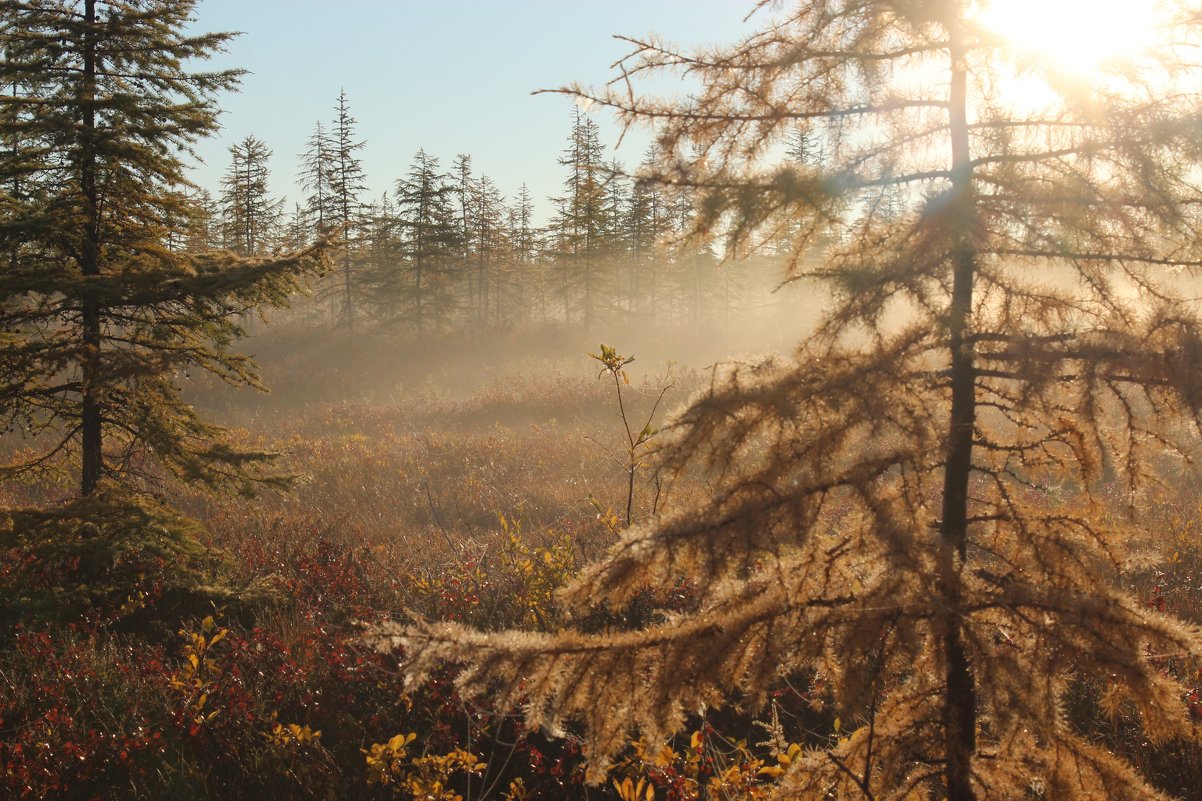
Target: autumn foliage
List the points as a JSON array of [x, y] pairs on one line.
[[279, 697]]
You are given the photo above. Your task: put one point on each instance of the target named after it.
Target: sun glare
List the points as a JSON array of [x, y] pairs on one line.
[[1075, 35]]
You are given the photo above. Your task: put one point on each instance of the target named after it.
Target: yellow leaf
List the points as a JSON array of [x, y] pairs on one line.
[[838, 724]]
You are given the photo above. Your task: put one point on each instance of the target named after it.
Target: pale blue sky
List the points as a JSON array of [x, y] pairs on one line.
[[450, 76]]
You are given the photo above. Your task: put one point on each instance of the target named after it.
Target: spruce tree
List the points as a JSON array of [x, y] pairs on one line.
[[933, 504], [101, 318]]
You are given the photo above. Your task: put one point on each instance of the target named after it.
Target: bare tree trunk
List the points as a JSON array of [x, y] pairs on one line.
[[419, 316], [348, 303], [959, 706], [347, 276]]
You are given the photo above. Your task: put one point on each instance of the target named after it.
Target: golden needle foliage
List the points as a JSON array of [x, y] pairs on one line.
[[930, 503]]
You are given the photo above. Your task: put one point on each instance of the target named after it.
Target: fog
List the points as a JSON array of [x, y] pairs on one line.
[[305, 361]]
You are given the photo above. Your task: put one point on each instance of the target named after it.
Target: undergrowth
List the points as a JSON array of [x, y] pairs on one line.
[[146, 654]]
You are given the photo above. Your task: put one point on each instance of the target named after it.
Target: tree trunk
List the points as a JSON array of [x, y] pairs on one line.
[[348, 278], [419, 318], [959, 706], [348, 309], [91, 428]]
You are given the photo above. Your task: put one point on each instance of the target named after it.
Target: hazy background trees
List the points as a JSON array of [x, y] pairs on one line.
[[606, 252]]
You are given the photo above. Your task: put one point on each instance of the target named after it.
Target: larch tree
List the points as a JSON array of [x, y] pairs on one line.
[[250, 216], [346, 184], [615, 248], [647, 220], [694, 280], [202, 230], [529, 285], [430, 244], [382, 256], [296, 232], [491, 269], [580, 223], [314, 178], [931, 504], [316, 214], [464, 186], [101, 318]]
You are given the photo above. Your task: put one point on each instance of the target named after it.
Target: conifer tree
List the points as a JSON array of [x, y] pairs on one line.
[[202, 230], [883, 511], [430, 244], [100, 316], [492, 279], [383, 257], [529, 286], [804, 150], [700, 290], [647, 221], [580, 223], [615, 245], [250, 215], [464, 183], [296, 234], [346, 184], [314, 177]]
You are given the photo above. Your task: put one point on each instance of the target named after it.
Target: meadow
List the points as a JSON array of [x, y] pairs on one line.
[[474, 506]]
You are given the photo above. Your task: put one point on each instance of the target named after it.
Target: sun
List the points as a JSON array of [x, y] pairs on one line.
[[1077, 36]]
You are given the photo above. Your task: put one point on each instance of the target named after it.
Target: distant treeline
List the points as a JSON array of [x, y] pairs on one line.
[[445, 249]]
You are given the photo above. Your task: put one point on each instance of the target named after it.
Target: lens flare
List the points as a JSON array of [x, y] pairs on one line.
[[1076, 36]]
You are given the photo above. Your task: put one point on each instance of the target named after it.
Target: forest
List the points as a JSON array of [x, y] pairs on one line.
[[843, 445]]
